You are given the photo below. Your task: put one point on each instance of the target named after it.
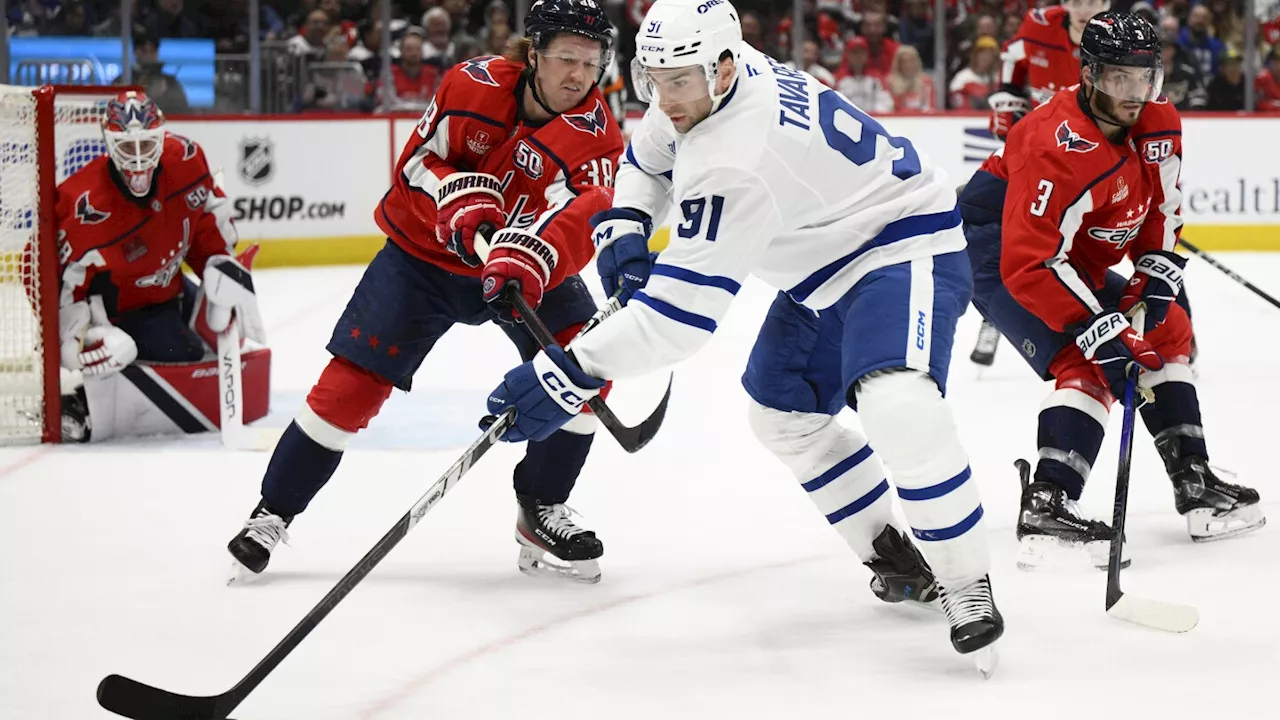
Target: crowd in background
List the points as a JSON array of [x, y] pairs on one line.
[[880, 53]]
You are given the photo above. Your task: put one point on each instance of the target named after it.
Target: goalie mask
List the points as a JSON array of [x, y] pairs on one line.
[[679, 47], [134, 131]]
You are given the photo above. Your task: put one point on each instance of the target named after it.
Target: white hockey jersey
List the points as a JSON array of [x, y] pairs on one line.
[[786, 180]]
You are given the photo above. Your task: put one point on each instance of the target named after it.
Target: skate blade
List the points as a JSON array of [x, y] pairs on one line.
[[1045, 552], [582, 571], [985, 660], [1205, 526], [238, 575]]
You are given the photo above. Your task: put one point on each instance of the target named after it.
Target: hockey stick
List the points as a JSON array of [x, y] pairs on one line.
[[133, 699], [231, 397], [1157, 614], [1227, 271], [630, 438]]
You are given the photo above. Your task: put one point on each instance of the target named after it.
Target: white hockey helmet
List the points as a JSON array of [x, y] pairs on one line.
[[684, 33]]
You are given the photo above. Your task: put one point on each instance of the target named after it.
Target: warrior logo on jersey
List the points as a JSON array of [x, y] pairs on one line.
[[592, 123], [1071, 140], [478, 69], [88, 214], [256, 163], [528, 160]]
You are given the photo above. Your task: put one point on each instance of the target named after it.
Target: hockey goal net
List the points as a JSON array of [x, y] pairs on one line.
[[46, 134]]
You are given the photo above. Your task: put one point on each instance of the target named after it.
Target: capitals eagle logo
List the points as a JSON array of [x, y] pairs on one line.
[[478, 69], [1071, 140], [88, 214], [592, 123]]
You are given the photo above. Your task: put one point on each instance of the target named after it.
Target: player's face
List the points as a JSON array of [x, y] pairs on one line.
[[1121, 92], [682, 95], [567, 69], [1081, 10]]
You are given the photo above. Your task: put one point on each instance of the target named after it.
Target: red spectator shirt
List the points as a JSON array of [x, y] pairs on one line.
[[1041, 56], [880, 63], [1268, 91], [130, 250], [420, 87], [555, 175], [1077, 203]]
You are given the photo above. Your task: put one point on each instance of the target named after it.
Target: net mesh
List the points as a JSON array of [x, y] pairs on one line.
[[77, 138]]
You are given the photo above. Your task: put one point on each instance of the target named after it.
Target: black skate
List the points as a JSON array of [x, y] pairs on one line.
[[76, 426], [1051, 528], [252, 547], [552, 544], [984, 352], [901, 572], [975, 622], [1214, 509]]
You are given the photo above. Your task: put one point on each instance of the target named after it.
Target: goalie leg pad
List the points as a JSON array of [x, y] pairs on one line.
[[836, 467], [910, 424]]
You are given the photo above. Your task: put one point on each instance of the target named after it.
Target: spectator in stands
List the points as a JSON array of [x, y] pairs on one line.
[[310, 40], [1146, 11], [1197, 37], [337, 83], [148, 72], [916, 29], [881, 49], [971, 86], [110, 27], [460, 24], [911, 88], [812, 56], [854, 82], [72, 20], [753, 31], [439, 49], [1226, 89], [1183, 84], [415, 79], [1267, 84], [229, 25], [1170, 27], [28, 18], [497, 36], [171, 19], [1227, 24], [345, 25], [496, 13], [368, 51]]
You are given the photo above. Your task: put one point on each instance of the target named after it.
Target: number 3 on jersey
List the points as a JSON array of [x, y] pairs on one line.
[[862, 150], [1045, 188]]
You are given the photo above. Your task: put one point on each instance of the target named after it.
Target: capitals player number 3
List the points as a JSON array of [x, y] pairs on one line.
[[1041, 202]]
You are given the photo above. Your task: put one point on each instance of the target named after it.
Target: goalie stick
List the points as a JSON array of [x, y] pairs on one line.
[[1170, 617], [235, 435]]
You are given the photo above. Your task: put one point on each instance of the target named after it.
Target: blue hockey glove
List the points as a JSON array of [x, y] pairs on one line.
[[624, 262], [1110, 342], [546, 392], [1156, 282]]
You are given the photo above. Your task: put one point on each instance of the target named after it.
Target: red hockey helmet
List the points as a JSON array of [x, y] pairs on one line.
[[134, 130]]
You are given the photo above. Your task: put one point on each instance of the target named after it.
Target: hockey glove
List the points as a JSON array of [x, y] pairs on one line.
[[1008, 105], [1156, 282], [465, 201], [622, 239], [520, 256], [546, 392], [1110, 342], [227, 286], [100, 349]]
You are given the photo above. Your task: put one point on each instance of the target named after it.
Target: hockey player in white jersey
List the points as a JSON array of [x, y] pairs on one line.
[[768, 172]]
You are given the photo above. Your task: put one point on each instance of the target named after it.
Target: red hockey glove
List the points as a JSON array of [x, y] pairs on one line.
[[1110, 342], [521, 256], [1008, 105], [464, 202], [1156, 282]]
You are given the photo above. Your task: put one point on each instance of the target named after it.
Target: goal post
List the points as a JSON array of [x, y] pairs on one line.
[[46, 135]]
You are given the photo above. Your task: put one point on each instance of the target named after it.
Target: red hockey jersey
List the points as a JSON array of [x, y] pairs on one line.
[[473, 125], [1041, 56], [128, 249], [1077, 203]]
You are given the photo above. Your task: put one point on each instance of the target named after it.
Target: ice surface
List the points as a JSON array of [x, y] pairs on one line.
[[725, 595]]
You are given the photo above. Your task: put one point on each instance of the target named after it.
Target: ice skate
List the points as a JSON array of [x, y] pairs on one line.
[[251, 547], [975, 621], [551, 544], [984, 351], [901, 573], [1052, 532], [76, 426], [1214, 509]]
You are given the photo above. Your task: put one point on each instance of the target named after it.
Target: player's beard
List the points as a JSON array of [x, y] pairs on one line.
[[1114, 111]]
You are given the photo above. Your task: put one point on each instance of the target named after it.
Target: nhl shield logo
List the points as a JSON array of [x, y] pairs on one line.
[[256, 160]]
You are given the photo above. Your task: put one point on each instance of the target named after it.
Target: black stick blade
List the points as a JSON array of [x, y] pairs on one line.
[[633, 439], [132, 699]]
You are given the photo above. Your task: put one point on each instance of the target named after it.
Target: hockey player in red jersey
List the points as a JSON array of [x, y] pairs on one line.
[[127, 221], [525, 145], [1083, 182]]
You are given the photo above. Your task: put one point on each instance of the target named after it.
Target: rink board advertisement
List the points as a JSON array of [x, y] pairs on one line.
[[306, 189]]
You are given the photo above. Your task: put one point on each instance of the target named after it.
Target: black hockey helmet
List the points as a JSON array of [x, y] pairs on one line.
[[587, 18], [1117, 39]]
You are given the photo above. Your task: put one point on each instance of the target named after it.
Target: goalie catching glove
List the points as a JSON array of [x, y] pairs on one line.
[[546, 392], [465, 202]]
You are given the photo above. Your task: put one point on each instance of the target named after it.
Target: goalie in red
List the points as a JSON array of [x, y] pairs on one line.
[[523, 145], [134, 331]]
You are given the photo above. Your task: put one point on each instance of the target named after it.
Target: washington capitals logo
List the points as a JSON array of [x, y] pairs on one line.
[[478, 69], [592, 123], [1071, 140], [88, 214]]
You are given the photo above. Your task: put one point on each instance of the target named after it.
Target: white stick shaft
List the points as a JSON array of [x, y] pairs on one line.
[[230, 384]]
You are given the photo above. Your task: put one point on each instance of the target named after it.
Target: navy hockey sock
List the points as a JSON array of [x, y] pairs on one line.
[[299, 467], [551, 467], [1174, 417], [1069, 441]]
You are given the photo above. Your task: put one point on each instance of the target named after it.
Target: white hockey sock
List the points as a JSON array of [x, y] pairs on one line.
[[911, 426], [835, 466]]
